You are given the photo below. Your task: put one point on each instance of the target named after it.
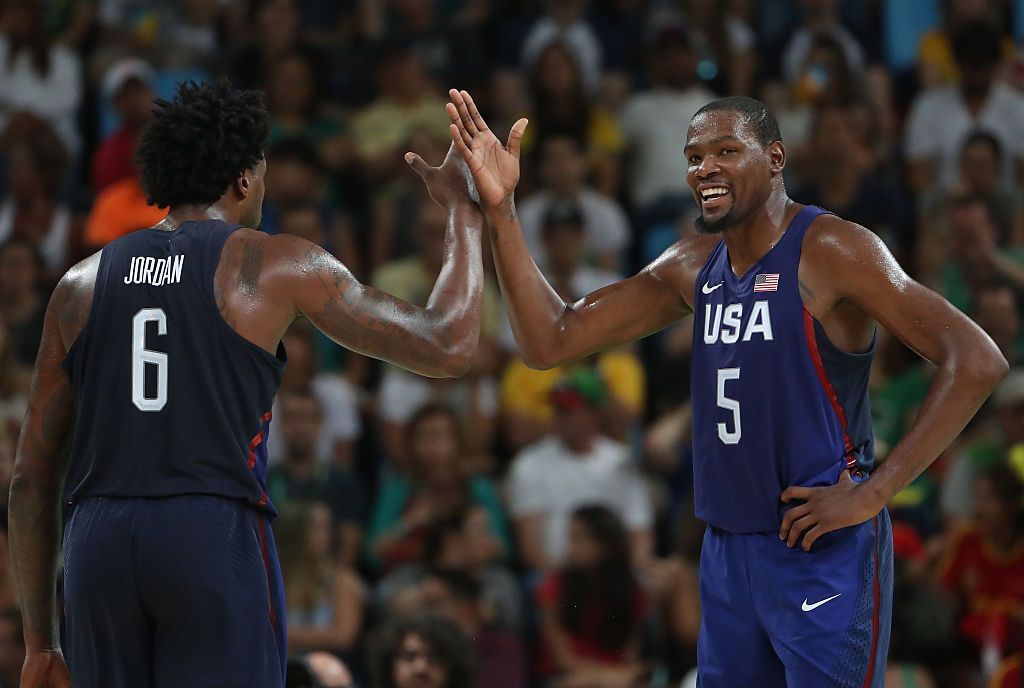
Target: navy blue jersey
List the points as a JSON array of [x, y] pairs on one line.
[[775, 403], [170, 399]]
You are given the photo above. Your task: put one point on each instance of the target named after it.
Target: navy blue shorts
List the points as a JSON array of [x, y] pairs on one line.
[[177, 592], [775, 617]]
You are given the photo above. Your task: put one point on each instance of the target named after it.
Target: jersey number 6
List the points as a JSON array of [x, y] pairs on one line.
[[141, 356]]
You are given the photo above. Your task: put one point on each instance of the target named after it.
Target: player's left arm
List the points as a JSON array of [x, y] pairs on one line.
[[35, 498], [848, 262]]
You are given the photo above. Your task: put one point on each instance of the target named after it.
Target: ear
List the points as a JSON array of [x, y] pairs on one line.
[[244, 183], [776, 157]]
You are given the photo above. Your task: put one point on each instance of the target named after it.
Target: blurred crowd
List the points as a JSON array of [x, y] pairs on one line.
[[519, 528]]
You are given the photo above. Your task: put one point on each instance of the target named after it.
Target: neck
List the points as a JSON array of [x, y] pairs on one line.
[[196, 213], [752, 238]]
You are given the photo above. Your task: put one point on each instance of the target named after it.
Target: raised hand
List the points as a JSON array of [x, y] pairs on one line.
[[495, 167], [449, 184]]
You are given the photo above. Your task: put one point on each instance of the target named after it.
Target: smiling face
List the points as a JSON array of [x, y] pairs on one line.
[[729, 171]]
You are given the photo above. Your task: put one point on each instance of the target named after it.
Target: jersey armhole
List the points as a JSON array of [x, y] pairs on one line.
[[93, 306], [277, 360]]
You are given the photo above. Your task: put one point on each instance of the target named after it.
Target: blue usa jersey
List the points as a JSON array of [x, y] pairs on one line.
[[170, 399], [774, 402]]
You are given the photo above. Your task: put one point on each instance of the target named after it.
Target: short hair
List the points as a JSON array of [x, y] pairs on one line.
[[977, 43], [753, 113], [984, 138], [445, 640], [197, 144]]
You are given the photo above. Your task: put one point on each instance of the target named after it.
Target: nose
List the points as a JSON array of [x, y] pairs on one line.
[[707, 167]]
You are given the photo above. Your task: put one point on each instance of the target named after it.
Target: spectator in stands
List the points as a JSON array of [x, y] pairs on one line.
[[38, 79], [407, 102], [341, 424], [325, 601], [820, 18], [841, 180], [592, 607], [463, 542], [421, 652], [997, 311], [941, 119], [434, 484], [274, 32], [22, 298], [473, 397], [14, 382], [301, 476], [984, 565], [575, 465], [987, 450], [31, 208], [650, 120], [936, 65], [12, 647], [561, 106], [128, 85], [566, 21], [981, 177], [562, 163], [456, 596], [318, 670]]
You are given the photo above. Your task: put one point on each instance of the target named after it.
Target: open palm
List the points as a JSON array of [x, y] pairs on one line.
[[495, 167]]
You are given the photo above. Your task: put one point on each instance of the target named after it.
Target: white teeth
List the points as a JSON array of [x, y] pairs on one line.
[[714, 191]]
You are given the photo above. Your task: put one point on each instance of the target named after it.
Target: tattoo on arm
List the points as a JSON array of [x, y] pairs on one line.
[[252, 265]]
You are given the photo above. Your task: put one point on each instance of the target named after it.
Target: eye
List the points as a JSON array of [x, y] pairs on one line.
[[694, 159], [729, 151]]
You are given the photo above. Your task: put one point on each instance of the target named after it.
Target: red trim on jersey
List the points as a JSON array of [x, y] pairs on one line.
[[266, 565], [257, 440], [830, 392], [874, 617]]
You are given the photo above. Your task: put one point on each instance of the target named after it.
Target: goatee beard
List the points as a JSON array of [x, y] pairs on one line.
[[718, 226]]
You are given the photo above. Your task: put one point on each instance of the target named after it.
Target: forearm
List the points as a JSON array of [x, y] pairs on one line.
[[956, 394], [535, 310], [455, 302], [34, 514]]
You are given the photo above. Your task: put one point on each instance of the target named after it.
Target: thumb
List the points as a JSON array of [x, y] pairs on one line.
[[417, 164], [845, 477], [515, 137]]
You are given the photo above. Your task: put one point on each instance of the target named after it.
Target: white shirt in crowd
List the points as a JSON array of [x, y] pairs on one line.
[[546, 478], [800, 46], [401, 394], [654, 124], [54, 98], [54, 245], [939, 122], [339, 402], [604, 222]]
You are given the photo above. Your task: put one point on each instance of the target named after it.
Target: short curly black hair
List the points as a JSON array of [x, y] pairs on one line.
[[198, 143]]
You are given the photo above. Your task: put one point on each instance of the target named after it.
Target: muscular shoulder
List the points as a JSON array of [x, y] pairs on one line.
[[72, 298], [681, 262]]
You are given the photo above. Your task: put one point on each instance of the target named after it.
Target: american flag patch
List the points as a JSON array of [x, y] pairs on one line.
[[767, 282]]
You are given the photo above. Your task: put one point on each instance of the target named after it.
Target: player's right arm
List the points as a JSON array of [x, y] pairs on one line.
[[550, 331], [438, 340]]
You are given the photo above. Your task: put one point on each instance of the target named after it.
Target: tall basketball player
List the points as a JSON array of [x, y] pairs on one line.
[[160, 358], [796, 567]]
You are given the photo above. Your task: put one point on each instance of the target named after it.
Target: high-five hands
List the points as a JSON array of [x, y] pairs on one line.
[[495, 167]]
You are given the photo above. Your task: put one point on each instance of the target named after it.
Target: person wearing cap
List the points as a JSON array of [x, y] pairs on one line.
[[127, 85], [572, 466]]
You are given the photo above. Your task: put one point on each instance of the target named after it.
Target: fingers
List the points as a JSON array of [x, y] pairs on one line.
[[515, 137], [800, 526], [473, 112], [846, 477], [460, 144], [463, 108], [417, 163], [812, 535], [453, 115], [791, 493], [791, 516]]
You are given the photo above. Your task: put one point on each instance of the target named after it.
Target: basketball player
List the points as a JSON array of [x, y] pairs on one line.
[[166, 346], [785, 298]]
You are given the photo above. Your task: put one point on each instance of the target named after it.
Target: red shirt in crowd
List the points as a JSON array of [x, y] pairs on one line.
[[112, 162]]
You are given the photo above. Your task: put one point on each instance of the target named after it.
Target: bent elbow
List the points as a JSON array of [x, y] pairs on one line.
[[987, 369]]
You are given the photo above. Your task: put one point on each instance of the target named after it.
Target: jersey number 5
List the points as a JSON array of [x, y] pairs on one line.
[[141, 356], [724, 433]]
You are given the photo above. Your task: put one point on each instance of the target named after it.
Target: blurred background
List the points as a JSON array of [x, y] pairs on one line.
[[518, 528]]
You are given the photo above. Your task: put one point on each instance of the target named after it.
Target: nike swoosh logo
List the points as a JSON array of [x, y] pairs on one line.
[[808, 607], [708, 291]]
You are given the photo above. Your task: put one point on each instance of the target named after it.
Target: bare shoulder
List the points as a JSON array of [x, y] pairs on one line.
[[831, 240], [679, 264], [71, 301]]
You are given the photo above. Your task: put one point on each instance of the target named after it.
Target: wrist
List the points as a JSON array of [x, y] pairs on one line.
[[876, 494], [503, 209]]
